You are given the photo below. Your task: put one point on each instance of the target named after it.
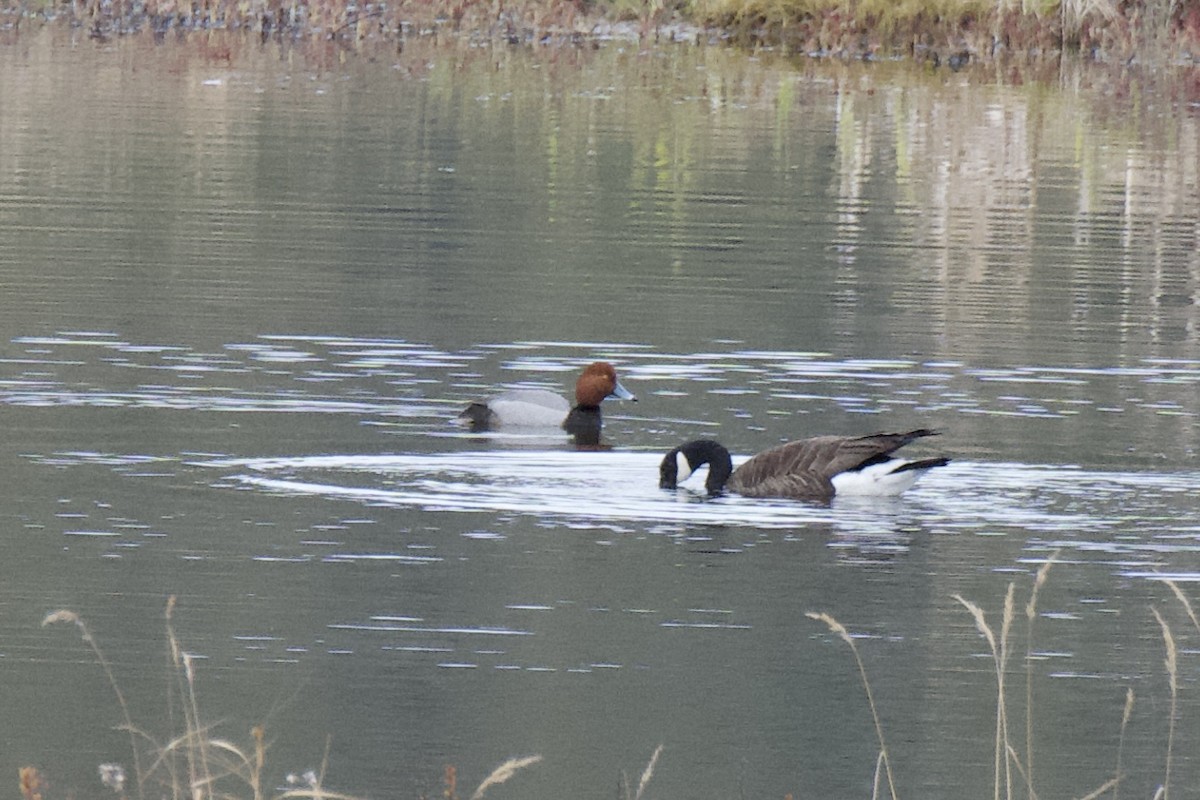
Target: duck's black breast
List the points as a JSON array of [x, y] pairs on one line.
[[479, 417], [584, 424]]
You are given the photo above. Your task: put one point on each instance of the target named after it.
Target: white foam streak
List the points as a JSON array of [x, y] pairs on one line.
[[619, 491]]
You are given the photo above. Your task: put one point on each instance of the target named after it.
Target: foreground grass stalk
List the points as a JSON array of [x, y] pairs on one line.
[[260, 758], [1002, 705], [193, 765], [1125, 715], [647, 774], [176, 691], [1030, 617], [1187, 605], [64, 615], [505, 771], [877, 780], [1111, 783], [198, 758], [1171, 665], [840, 630], [1004, 752]]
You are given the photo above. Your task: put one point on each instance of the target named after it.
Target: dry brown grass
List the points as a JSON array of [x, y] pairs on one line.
[[193, 763], [1013, 772], [956, 31], [1031, 617], [190, 762], [941, 31], [1171, 664], [838, 629], [628, 793]]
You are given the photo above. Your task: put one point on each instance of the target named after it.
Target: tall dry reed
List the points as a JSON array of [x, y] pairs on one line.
[[999, 648], [626, 792], [502, 773], [191, 763], [1125, 716], [839, 630], [1030, 617], [63, 615], [1007, 758], [1013, 769], [1171, 664]]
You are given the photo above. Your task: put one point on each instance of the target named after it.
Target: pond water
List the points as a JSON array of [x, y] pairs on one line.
[[248, 287]]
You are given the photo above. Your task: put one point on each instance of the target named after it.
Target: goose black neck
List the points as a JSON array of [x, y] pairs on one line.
[[720, 465], [697, 453]]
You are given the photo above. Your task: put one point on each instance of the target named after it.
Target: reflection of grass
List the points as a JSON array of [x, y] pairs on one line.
[[1013, 771], [191, 763]]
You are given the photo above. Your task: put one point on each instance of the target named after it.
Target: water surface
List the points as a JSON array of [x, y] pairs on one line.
[[245, 297]]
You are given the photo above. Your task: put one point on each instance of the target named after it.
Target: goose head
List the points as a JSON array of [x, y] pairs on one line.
[[679, 464]]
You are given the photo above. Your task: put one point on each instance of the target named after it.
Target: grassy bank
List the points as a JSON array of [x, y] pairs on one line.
[[942, 31], [1152, 30]]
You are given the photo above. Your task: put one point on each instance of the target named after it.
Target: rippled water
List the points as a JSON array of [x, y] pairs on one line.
[[245, 299]]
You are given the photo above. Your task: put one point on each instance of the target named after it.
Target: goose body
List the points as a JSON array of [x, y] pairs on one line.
[[541, 408], [807, 469]]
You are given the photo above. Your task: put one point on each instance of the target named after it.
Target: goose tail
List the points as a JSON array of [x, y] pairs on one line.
[[886, 478], [923, 464]]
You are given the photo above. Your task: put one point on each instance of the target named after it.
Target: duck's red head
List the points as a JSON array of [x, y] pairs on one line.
[[597, 382]]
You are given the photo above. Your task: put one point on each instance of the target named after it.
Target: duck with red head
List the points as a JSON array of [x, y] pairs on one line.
[[597, 382], [540, 408]]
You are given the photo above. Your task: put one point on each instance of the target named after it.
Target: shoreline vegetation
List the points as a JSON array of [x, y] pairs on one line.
[[941, 32], [189, 762]]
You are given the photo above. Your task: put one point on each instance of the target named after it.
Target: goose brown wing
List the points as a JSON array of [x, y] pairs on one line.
[[798, 485], [795, 469], [859, 451], [805, 468]]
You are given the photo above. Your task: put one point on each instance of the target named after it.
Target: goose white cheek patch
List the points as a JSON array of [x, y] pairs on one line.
[[683, 470]]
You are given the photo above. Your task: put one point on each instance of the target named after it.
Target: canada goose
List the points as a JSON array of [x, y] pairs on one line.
[[808, 469]]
